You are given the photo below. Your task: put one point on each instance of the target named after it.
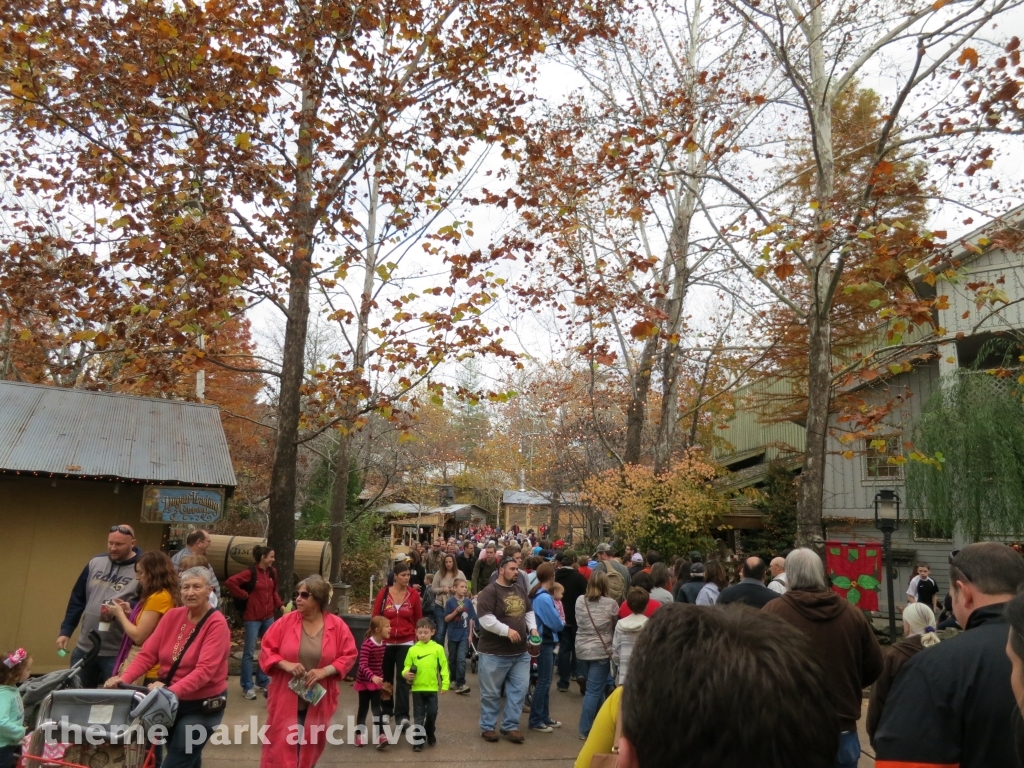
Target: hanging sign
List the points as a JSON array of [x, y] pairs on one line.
[[854, 571], [163, 504]]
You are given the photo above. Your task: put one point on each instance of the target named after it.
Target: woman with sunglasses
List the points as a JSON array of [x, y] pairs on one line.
[[305, 649]]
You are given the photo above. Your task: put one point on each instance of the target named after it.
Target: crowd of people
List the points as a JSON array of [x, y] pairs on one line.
[[718, 660]]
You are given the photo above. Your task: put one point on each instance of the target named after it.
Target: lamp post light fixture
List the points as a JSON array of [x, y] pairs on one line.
[[887, 520]]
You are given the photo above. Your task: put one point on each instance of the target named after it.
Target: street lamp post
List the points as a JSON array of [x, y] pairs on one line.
[[887, 520]]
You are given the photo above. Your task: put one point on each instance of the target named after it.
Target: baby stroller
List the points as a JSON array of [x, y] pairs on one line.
[[472, 656], [82, 728], [36, 689], [99, 728]]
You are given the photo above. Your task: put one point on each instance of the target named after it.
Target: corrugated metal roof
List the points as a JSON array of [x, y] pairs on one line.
[[535, 499], [400, 508], [75, 432], [755, 475]]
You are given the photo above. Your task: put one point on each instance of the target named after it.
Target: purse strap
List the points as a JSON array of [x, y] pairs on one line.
[[586, 604], [188, 644]]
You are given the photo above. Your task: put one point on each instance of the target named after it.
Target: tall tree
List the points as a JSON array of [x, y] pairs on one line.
[[610, 203], [220, 144], [821, 50]]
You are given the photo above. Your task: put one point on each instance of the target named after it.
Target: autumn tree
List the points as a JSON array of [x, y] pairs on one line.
[[804, 249], [609, 198], [671, 512], [223, 145]]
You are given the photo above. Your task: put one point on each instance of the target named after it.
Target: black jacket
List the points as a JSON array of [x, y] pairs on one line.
[[688, 592], [749, 592], [953, 705], [575, 584]]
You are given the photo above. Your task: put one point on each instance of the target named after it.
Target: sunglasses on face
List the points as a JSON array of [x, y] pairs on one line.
[[304, 595], [952, 561]]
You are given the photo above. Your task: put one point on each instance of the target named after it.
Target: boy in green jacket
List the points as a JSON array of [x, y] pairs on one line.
[[424, 664]]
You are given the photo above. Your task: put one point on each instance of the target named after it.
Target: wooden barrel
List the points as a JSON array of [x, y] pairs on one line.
[[230, 554]]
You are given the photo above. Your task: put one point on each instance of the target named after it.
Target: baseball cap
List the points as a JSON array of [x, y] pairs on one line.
[[603, 548], [637, 557], [697, 568], [401, 558], [569, 554]]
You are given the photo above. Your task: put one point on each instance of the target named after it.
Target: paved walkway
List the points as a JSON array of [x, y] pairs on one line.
[[458, 735], [459, 743]]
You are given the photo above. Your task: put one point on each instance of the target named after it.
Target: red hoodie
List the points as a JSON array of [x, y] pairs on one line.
[[403, 617], [263, 601]]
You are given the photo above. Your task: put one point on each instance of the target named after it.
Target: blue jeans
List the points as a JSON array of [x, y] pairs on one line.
[[95, 674], [253, 630], [596, 673], [178, 750], [457, 660], [540, 714], [567, 663], [849, 750], [514, 672], [441, 624]]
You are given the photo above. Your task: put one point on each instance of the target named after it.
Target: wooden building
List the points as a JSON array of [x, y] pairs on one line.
[[73, 463], [532, 509]]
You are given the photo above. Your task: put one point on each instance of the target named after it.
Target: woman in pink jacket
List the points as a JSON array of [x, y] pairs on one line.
[[314, 648]]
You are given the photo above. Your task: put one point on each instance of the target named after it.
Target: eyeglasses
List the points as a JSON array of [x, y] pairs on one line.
[[122, 529], [304, 595]]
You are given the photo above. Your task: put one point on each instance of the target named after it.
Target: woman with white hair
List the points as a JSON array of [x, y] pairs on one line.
[[918, 634], [190, 645]]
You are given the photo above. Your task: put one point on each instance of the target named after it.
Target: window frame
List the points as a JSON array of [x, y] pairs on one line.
[[927, 538], [892, 438]]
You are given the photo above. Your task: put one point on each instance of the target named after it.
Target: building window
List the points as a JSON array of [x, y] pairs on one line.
[[883, 458], [931, 530]]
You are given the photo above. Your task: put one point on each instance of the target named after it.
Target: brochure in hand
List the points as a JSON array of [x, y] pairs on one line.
[[309, 695]]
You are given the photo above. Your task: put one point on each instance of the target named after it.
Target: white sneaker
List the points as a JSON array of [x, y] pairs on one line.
[[250, 695], [542, 729], [554, 724]]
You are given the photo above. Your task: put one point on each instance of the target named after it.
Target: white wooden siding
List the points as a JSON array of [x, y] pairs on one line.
[[988, 268], [848, 491]]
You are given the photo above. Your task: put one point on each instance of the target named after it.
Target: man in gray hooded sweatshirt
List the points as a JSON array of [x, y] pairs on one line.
[[107, 576]]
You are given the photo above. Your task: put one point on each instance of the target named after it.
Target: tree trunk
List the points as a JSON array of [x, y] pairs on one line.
[[281, 527], [677, 256], [339, 504], [636, 413], [812, 477], [819, 325]]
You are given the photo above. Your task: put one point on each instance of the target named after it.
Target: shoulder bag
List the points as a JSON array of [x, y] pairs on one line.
[[204, 706]]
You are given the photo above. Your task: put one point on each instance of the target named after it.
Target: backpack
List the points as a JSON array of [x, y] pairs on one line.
[[616, 584], [249, 586]]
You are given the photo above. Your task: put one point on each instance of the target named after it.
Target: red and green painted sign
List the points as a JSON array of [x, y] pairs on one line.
[[855, 571]]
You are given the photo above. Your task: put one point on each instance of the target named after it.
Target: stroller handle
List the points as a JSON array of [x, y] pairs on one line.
[[127, 687]]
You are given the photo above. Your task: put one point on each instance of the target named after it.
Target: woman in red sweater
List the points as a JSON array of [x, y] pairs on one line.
[[257, 586], [199, 681], [401, 606]]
